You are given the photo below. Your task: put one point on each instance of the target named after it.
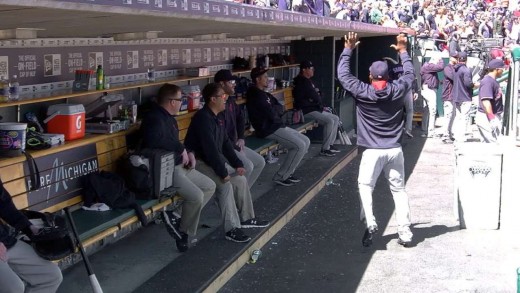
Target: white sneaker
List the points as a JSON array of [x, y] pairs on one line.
[[405, 236]]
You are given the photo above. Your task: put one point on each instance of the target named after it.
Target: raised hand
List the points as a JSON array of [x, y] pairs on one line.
[[351, 40], [401, 42]]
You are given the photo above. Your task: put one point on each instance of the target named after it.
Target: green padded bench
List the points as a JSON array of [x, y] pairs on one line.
[[91, 223], [303, 127], [94, 226], [260, 145]]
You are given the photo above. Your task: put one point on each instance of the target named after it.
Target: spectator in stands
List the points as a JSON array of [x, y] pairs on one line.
[[265, 115], [454, 46], [462, 93], [447, 99], [21, 269], [490, 108], [364, 15], [160, 131], [430, 84], [431, 25], [307, 97], [515, 30], [208, 139], [485, 30], [253, 162], [379, 108]]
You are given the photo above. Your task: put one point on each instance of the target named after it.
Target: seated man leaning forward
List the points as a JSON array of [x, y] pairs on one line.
[[265, 114], [160, 131], [208, 139], [253, 162], [21, 269], [307, 97]]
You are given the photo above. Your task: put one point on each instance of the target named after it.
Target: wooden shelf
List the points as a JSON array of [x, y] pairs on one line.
[[68, 93], [88, 139]]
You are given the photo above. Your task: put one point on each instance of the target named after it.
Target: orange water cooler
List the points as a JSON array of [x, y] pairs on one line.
[[68, 119]]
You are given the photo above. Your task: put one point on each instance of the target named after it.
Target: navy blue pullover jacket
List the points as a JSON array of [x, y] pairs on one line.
[[12, 216], [235, 121], [462, 84], [207, 137], [265, 112], [306, 98], [379, 112], [447, 83], [429, 74], [160, 131]]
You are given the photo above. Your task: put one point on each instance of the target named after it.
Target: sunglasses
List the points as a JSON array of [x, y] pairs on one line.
[[180, 100]]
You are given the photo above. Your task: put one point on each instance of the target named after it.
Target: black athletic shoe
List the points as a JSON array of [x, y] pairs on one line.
[[367, 237], [254, 223], [327, 153], [334, 149], [237, 235], [182, 244], [172, 223], [294, 179], [285, 182]]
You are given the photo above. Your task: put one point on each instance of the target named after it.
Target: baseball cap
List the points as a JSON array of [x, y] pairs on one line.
[[224, 75], [454, 54], [496, 64], [463, 56], [379, 70], [306, 64], [257, 71]]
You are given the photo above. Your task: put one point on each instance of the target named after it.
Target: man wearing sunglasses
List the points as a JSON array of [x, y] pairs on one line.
[[253, 162], [208, 139], [160, 131]]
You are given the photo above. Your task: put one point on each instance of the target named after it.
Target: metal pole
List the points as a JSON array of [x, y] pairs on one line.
[[515, 53]]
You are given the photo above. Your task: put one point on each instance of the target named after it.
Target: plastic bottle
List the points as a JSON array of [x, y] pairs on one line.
[[151, 74], [100, 78], [255, 254], [4, 89], [14, 88], [266, 61], [518, 280]]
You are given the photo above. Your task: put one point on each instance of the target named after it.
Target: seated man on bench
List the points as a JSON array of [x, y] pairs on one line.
[[21, 269], [159, 130], [265, 114], [207, 137], [307, 98], [253, 162]]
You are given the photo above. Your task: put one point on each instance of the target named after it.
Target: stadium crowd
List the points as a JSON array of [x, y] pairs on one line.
[[439, 19]]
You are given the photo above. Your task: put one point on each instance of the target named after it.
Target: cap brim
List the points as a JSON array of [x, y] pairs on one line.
[[257, 74]]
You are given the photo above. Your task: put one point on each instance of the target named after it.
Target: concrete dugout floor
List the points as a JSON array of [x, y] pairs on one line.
[[321, 251]]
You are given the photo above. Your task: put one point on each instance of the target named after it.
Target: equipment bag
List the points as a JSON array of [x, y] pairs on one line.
[[54, 241], [109, 188]]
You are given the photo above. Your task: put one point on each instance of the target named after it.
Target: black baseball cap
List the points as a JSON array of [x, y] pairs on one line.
[[306, 64], [257, 71], [224, 75]]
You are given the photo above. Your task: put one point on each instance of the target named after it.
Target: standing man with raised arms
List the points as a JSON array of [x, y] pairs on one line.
[[379, 109]]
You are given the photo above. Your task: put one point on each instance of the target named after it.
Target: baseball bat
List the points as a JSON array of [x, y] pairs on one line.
[[94, 283]]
